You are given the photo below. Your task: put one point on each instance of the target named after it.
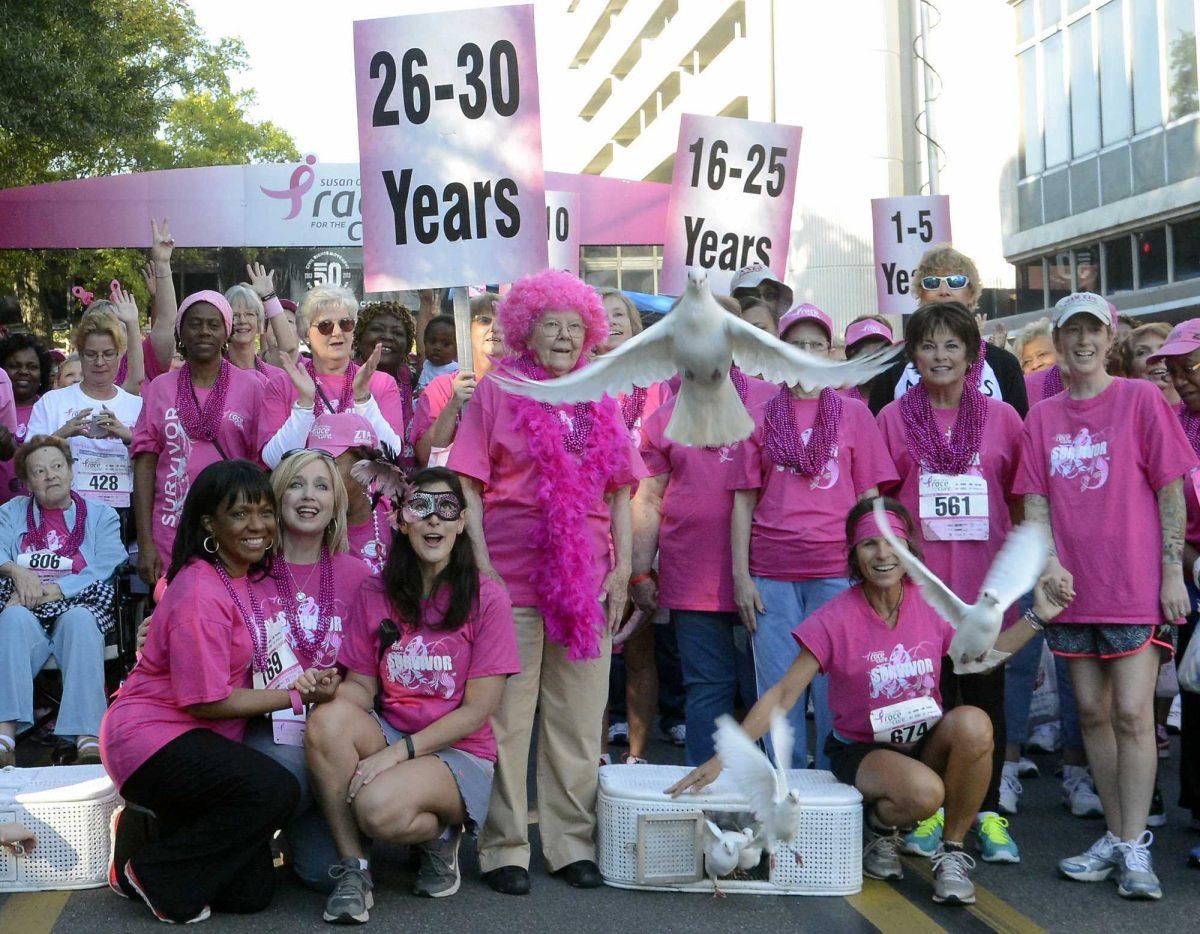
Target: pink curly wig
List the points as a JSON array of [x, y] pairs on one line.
[[533, 296]]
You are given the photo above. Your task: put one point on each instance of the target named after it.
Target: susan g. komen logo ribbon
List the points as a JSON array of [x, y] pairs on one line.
[[298, 186]]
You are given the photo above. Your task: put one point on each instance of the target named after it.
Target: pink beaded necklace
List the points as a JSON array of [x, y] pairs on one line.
[[345, 400], [309, 646], [974, 375], [201, 424], [632, 406], [575, 434], [1053, 384], [927, 447], [783, 440], [740, 383], [1191, 425], [38, 533], [253, 621]]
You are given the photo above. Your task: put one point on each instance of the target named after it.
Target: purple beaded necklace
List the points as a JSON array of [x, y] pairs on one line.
[[37, 533], [740, 382], [575, 436], [253, 620], [1191, 425], [1053, 384], [309, 646], [632, 406], [927, 447], [783, 444], [974, 375], [345, 400], [201, 424]]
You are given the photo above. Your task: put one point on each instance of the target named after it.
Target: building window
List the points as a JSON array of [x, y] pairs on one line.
[[1152, 257], [1031, 126], [1179, 28], [1118, 265], [635, 268], [1031, 287], [1058, 119], [1087, 268], [1051, 11], [1085, 100], [1185, 248], [1025, 28], [1115, 114], [1058, 277], [1147, 105]]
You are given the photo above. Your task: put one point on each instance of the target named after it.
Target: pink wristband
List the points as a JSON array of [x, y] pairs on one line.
[[271, 308], [297, 703]]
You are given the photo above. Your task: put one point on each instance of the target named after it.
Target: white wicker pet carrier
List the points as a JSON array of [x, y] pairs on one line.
[[68, 809], [649, 841]]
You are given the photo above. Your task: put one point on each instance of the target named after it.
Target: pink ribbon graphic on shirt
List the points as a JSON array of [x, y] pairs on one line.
[[298, 186]]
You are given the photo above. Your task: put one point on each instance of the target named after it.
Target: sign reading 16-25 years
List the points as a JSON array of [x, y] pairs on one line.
[[450, 148], [731, 199], [905, 227]]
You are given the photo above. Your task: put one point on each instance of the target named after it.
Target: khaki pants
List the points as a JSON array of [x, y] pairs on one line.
[[570, 698]]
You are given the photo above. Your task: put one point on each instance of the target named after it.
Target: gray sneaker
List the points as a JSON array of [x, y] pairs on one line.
[[439, 875], [951, 883], [881, 856], [1096, 865], [351, 899], [1135, 875]]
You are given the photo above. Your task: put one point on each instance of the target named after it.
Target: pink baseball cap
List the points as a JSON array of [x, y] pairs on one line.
[[806, 312], [1083, 303], [213, 298], [1183, 339], [861, 330], [336, 433]]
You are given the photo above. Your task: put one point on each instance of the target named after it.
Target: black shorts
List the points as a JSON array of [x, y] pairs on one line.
[[845, 758]]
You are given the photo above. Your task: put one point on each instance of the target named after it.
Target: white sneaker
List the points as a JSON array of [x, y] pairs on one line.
[[1045, 736], [1079, 794], [1027, 768], [1173, 718], [1010, 789]]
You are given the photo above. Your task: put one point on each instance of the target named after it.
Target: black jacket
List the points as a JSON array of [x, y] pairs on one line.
[[1003, 363]]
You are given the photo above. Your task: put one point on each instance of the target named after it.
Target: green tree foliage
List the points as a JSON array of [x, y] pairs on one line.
[[97, 87]]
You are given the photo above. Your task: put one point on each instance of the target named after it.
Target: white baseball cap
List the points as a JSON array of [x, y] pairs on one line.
[[1087, 303], [749, 277]]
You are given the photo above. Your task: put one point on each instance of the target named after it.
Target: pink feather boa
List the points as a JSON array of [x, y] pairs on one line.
[[566, 581]]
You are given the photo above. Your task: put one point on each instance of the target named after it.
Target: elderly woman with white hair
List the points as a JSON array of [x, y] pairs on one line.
[[256, 308], [330, 381], [1034, 347]]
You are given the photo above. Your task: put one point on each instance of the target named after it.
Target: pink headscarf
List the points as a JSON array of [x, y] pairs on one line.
[[216, 299]]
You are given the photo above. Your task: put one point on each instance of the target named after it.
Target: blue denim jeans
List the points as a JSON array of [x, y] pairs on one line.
[[714, 652], [787, 604]]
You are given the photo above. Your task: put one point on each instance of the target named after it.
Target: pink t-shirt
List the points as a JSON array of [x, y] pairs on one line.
[[489, 449], [962, 565], [180, 459], [10, 486], [432, 400], [280, 395], [870, 664], [198, 651], [371, 541], [424, 675], [799, 527], [349, 574], [1100, 461]]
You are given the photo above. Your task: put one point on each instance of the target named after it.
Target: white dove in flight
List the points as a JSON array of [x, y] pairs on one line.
[[1015, 570], [700, 340], [776, 807]]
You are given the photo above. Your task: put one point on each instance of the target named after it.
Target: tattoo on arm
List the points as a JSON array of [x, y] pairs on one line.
[[1172, 515], [1037, 509]]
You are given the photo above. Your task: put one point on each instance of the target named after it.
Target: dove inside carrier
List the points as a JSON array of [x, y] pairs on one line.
[[68, 809], [647, 840]]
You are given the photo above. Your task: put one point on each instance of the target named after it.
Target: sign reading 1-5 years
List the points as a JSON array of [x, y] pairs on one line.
[[731, 199], [905, 228], [450, 148]]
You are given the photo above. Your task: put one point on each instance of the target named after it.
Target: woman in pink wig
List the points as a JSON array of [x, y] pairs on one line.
[[547, 491]]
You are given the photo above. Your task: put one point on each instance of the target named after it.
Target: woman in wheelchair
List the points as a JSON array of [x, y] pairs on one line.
[[58, 554]]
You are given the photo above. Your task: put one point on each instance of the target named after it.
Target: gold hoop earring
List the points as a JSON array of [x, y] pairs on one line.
[[204, 545]]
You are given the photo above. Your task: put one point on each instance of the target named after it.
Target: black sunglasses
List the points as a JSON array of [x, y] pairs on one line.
[[326, 327]]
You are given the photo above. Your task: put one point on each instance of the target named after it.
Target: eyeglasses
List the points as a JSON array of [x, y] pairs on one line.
[[346, 325], [552, 328], [957, 281], [91, 356], [811, 346], [423, 505], [295, 451], [245, 316]]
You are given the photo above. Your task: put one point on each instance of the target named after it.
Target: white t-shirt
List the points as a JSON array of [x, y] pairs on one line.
[[103, 469]]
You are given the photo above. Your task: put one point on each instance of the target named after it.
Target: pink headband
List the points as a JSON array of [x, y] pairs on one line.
[[868, 528], [216, 299]]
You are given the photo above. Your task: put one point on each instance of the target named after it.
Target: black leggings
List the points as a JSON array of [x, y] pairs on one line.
[[218, 804], [1189, 729], [985, 691]]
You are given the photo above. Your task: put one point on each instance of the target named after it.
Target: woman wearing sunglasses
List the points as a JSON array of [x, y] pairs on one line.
[[405, 753], [946, 275], [205, 411], [955, 450], [330, 381]]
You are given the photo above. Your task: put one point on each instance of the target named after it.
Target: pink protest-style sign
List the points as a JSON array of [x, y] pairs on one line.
[[562, 231], [731, 199], [905, 228], [450, 148]]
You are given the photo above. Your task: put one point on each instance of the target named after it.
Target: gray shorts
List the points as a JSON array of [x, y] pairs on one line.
[[472, 774], [1107, 640]]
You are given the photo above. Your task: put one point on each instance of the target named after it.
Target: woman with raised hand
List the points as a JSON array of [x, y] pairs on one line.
[[1110, 455], [812, 455], [28, 365], [405, 754], [881, 646], [547, 491], [206, 411], [955, 450], [256, 308], [172, 739], [57, 557]]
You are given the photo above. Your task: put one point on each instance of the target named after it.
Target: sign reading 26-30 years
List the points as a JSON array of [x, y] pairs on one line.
[[450, 148], [905, 228], [731, 199]]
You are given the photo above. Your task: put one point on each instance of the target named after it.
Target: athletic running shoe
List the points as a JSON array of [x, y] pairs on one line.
[[676, 735], [1163, 740], [130, 829], [1097, 864], [1135, 875], [628, 758], [1010, 789], [952, 883], [996, 844], [926, 838], [1045, 737], [204, 915], [881, 855], [1027, 768], [439, 875], [1079, 794], [1158, 813], [605, 759], [618, 733], [1174, 715], [351, 899]]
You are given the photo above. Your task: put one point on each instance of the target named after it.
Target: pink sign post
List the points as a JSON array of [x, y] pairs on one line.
[[562, 230], [905, 228], [731, 199], [451, 150]]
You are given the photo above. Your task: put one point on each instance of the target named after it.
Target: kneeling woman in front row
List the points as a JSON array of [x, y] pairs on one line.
[[882, 645], [405, 754]]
